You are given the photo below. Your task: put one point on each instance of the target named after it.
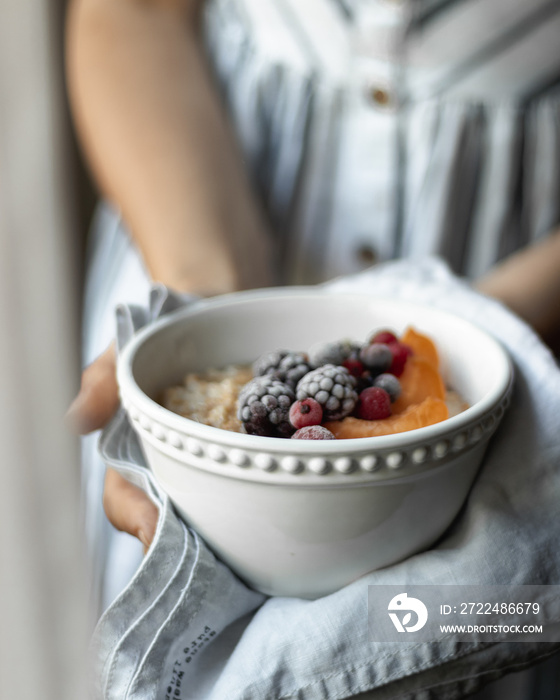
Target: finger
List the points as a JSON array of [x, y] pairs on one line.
[[128, 508], [98, 398]]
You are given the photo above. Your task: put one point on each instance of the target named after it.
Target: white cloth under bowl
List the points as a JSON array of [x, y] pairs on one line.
[[184, 604]]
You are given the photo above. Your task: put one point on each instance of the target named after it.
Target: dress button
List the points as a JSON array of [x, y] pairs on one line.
[[380, 96], [366, 254]]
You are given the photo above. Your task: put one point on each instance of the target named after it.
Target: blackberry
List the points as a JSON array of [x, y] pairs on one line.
[[333, 387], [286, 366], [263, 407], [334, 353]]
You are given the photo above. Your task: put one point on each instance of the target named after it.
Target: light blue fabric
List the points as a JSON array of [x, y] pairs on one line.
[[252, 648]]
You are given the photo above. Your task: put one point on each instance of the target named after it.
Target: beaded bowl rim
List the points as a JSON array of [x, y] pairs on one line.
[[144, 410]]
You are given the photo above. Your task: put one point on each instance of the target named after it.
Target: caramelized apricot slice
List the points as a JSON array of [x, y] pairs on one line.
[[420, 380], [430, 411], [421, 346]]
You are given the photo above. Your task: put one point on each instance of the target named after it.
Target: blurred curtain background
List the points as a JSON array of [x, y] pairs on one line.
[[43, 613]]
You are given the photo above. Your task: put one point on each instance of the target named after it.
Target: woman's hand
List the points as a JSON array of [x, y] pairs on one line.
[[528, 282], [128, 508]]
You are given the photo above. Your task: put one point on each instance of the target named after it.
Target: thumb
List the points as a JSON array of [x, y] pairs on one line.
[[128, 508], [98, 398]]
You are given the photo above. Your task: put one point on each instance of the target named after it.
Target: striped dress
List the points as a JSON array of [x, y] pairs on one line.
[[384, 128]]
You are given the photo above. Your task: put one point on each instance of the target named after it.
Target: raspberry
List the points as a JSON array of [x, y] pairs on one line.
[[313, 432], [331, 353], [385, 337], [354, 366], [285, 365], [391, 385], [377, 357], [333, 387], [374, 403], [400, 353], [263, 407], [306, 412]]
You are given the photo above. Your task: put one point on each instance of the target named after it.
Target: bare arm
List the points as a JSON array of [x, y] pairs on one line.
[[161, 149], [159, 144], [529, 283]]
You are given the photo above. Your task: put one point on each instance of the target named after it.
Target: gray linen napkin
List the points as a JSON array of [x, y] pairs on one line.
[[187, 628]]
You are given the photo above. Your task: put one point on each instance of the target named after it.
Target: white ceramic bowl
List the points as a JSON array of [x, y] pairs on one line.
[[304, 518]]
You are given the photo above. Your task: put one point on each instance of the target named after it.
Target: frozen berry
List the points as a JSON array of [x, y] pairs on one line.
[[332, 353], [383, 337], [264, 405], [400, 354], [391, 385], [333, 387], [285, 365], [373, 404], [377, 357], [354, 366], [313, 432], [306, 412], [364, 381]]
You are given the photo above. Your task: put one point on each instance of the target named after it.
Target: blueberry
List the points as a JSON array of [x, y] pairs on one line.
[[391, 385], [377, 357]]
